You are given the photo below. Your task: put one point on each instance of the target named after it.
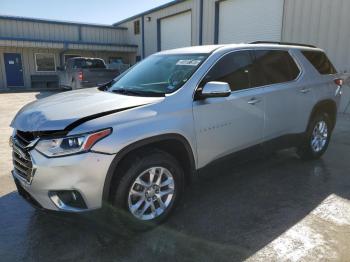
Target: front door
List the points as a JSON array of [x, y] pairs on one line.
[[227, 125], [14, 69]]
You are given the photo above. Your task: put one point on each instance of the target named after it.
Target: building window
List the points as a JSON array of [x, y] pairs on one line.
[[137, 27], [45, 62]]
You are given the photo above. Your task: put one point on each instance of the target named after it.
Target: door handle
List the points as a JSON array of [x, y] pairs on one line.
[[254, 101], [305, 90]]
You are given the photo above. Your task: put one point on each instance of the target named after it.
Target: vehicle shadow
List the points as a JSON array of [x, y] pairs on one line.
[[232, 211]]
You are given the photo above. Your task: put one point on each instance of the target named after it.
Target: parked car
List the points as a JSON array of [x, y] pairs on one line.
[[136, 142], [81, 72]]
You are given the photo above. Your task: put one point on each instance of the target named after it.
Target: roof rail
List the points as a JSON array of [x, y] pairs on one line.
[[281, 43]]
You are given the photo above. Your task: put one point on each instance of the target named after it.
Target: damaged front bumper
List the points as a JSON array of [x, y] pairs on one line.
[[72, 184]]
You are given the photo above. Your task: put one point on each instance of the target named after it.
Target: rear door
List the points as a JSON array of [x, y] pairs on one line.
[[227, 125], [277, 72], [320, 84]]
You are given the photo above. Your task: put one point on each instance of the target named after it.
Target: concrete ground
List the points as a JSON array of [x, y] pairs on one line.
[[271, 209]]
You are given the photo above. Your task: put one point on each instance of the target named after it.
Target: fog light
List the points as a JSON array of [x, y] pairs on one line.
[[68, 200]]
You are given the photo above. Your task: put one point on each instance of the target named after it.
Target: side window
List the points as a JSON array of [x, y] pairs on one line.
[[320, 61], [273, 67], [234, 69], [137, 27]]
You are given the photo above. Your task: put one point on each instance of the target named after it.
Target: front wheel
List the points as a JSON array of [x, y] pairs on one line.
[[149, 189], [317, 138]]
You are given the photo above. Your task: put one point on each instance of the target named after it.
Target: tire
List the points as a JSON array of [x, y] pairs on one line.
[[135, 194], [316, 141]]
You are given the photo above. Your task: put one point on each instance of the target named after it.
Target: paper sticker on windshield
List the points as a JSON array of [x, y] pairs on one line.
[[188, 62]]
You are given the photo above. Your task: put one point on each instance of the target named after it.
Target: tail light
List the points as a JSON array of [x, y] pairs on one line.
[[339, 82], [80, 76]]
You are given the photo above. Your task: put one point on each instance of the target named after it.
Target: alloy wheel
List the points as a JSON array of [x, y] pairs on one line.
[[319, 136], [151, 193]]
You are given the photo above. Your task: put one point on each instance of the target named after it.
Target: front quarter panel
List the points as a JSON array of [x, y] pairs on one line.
[[170, 116]]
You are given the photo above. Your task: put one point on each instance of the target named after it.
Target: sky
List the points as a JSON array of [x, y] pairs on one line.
[[96, 12]]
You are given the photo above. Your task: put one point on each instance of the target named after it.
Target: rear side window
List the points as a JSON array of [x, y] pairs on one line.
[[320, 61], [273, 67], [233, 69]]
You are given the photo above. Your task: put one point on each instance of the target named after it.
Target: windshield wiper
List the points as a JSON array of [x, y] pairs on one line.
[[124, 91], [105, 86]]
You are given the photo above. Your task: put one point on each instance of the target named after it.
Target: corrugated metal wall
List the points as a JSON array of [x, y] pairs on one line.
[[324, 23], [31, 36], [24, 29], [208, 21], [102, 35], [11, 28], [131, 38], [28, 60], [150, 27]]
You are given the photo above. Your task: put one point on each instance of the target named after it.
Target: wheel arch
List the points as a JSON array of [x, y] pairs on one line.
[[328, 106], [171, 143]]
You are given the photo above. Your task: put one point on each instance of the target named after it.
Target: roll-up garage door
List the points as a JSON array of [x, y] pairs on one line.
[[250, 20], [175, 31]]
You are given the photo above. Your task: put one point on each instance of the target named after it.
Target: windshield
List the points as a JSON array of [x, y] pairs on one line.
[[158, 74]]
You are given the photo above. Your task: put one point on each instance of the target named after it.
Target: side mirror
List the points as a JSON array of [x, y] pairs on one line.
[[215, 89]]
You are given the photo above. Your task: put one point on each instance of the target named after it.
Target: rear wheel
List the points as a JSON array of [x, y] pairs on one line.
[[149, 190], [317, 137]]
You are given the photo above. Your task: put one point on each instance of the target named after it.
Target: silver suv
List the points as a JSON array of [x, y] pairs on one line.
[[136, 142]]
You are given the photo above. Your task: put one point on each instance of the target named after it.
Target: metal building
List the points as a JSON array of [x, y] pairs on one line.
[[323, 23], [32, 49]]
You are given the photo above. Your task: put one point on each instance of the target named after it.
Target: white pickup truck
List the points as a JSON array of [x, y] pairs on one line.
[[81, 72]]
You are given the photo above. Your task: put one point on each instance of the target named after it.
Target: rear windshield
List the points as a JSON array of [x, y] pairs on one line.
[[88, 63], [320, 61]]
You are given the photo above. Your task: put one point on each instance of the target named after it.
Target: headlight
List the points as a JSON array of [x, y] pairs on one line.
[[70, 145]]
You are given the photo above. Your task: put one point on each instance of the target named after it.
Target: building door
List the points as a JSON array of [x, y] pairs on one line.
[[169, 31], [14, 69], [241, 21]]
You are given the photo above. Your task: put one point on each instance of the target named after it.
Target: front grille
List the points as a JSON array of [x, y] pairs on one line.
[[25, 138], [22, 162]]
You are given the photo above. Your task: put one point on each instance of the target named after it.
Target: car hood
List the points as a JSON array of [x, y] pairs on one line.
[[67, 110]]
